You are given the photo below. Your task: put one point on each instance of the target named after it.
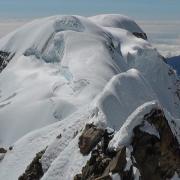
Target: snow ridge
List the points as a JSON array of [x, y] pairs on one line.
[[68, 71]]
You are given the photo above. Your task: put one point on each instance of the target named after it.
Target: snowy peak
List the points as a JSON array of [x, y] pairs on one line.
[[116, 21], [69, 82], [119, 21]]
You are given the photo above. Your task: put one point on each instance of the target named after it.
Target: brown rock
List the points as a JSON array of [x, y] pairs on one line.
[[90, 138], [117, 163], [156, 158], [102, 161], [34, 171]]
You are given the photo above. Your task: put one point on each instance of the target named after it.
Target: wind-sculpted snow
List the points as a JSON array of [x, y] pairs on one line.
[[123, 136], [116, 21], [68, 71], [121, 96]]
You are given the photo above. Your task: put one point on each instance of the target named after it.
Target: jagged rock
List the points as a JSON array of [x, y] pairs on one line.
[[117, 163], [5, 57], [140, 35], [157, 158], [95, 167], [3, 151], [146, 153], [89, 138], [102, 161], [34, 171], [100, 165], [99, 159]]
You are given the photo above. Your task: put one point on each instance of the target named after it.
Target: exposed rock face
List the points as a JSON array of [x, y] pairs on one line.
[[155, 155], [2, 150], [157, 158], [2, 153], [89, 139], [140, 35], [5, 57], [34, 171], [94, 167], [102, 161], [117, 163]]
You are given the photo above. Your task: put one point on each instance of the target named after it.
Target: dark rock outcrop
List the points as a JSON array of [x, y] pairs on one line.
[[140, 35], [155, 156], [89, 138], [5, 58], [2, 153], [2, 150], [94, 167], [34, 171], [117, 163], [102, 160]]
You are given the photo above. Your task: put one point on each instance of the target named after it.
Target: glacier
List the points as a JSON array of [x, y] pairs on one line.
[[67, 71]]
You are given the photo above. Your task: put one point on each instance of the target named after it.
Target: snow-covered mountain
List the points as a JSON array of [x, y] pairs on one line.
[[77, 93], [175, 63]]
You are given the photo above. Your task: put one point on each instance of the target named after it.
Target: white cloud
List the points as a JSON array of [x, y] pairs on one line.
[[164, 35], [168, 50]]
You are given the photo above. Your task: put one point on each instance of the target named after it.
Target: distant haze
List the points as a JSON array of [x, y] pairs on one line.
[[6, 26], [164, 35], [159, 19]]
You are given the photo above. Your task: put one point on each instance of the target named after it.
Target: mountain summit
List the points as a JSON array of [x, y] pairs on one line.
[[85, 99]]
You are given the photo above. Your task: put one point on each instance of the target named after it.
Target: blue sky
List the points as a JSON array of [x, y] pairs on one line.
[[138, 9]]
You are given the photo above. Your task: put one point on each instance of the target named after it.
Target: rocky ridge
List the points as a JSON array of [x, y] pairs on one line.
[[155, 156], [94, 95]]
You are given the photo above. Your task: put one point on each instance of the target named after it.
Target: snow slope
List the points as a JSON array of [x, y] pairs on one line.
[[68, 71]]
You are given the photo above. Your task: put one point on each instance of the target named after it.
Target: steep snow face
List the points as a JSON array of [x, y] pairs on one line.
[[62, 65], [140, 55], [68, 71], [121, 96]]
